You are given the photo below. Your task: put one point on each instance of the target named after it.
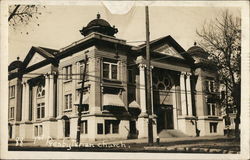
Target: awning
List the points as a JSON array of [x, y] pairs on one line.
[[113, 102], [85, 100], [134, 108]]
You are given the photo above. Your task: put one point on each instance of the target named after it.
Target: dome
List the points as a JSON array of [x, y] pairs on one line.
[[15, 64], [98, 22], [197, 51], [99, 25]]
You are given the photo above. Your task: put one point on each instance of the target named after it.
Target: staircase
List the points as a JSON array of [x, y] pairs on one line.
[[168, 133]]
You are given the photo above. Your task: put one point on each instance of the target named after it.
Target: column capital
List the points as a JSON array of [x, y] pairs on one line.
[[188, 74], [142, 66], [183, 73], [24, 82]]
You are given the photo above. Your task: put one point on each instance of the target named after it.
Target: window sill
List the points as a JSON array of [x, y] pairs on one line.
[[67, 81], [112, 80], [67, 110], [12, 97], [85, 112]]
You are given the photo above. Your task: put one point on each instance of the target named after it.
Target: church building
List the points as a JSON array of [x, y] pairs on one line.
[[44, 89]]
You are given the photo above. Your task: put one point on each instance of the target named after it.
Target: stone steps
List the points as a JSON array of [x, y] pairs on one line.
[[169, 133]]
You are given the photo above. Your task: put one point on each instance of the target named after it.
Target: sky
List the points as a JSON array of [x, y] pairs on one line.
[[59, 25]]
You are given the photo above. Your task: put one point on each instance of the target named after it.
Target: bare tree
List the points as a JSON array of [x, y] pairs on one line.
[[221, 38], [23, 14]]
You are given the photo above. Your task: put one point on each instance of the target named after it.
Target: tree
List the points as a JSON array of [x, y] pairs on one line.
[[23, 14], [221, 38]]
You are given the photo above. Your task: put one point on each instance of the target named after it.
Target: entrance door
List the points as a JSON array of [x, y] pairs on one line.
[[67, 128], [165, 118]]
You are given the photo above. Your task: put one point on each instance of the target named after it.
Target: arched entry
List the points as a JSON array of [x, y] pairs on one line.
[[163, 99], [66, 126]]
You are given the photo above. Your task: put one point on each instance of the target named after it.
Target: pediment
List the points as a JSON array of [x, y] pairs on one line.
[[169, 50], [35, 59]]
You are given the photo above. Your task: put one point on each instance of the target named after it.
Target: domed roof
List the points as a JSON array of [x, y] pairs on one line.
[[15, 64], [98, 22], [197, 51], [99, 25]]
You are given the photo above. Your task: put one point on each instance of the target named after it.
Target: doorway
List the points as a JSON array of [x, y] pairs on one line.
[[66, 126], [165, 117]]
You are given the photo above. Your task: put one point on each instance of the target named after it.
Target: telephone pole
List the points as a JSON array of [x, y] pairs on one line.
[[80, 106], [148, 83]]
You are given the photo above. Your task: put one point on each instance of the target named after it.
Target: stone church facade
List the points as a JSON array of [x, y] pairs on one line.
[[44, 89]]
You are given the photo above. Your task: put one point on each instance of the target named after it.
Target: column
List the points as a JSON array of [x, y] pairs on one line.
[[142, 86], [60, 96], [51, 96], [47, 96], [189, 96], [23, 100], [175, 107], [183, 94], [26, 108], [78, 77]]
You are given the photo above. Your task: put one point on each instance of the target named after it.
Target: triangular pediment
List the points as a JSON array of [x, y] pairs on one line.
[[169, 50], [35, 59]]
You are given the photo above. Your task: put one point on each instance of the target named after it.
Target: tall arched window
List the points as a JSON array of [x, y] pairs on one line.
[[40, 91], [40, 107]]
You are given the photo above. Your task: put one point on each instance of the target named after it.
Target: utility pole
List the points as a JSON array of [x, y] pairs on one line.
[[80, 106], [148, 83]]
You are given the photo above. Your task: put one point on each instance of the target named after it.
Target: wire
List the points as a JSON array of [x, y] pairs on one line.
[[137, 86]]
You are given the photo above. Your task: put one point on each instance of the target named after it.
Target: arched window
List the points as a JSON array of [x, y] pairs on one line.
[[40, 91], [161, 80]]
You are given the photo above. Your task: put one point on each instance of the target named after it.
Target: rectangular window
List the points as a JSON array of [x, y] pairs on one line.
[[84, 127], [81, 70], [213, 127], [211, 107], [40, 110], [110, 70], [12, 91], [68, 101], [211, 86], [68, 72], [12, 112], [99, 128], [36, 131], [207, 86], [40, 130], [105, 70], [111, 126], [130, 76]]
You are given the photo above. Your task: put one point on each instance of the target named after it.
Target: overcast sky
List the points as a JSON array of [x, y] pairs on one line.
[[59, 25]]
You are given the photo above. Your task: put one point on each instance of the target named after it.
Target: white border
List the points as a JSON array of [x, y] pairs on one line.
[[4, 153]]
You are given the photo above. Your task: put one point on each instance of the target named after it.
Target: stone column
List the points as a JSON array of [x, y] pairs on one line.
[[142, 122], [189, 96], [78, 75], [23, 100], [142, 86], [60, 96], [175, 107], [27, 92], [47, 96], [51, 96], [183, 94]]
